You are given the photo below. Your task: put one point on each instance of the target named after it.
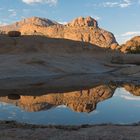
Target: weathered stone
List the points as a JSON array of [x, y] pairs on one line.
[[14, 34], [131, 46]]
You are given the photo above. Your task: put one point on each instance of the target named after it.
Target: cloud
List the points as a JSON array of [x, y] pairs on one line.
[[12, 12], [131, 33], [110, 4], [63, 22], [125, 3], [121, 4], [115, 3], [122, 38], [96, 17], [50, 2]]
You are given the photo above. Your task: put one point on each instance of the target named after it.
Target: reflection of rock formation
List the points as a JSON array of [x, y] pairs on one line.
[[79, 101], [133, 89]]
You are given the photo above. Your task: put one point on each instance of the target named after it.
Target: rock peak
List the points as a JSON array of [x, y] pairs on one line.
[[38, 21], [84, 21]]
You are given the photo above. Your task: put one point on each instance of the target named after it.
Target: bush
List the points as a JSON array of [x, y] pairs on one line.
[[14, 34]]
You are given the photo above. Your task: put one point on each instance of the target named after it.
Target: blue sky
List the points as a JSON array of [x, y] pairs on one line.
[[121, 17]]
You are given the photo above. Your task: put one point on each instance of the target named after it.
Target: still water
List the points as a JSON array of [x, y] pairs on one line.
[[74, 108]]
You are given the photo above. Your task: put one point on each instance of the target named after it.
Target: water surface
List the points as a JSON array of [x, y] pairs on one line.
[[93, 106]]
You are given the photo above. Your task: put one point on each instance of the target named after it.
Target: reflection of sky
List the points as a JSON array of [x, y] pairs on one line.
[[123, 107]]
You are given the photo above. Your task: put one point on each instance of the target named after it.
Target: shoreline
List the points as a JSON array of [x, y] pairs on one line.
[[11, 130], [11, 123]]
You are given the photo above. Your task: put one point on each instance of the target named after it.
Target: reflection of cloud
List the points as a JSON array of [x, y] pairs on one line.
[[61, 106], [94, 112], [129, 97], [3, 104], [137, 106], [122, 93]]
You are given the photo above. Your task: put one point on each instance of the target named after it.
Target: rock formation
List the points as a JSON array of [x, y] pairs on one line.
[[131, 46], [79, 101], [80, 29], [81, 22]]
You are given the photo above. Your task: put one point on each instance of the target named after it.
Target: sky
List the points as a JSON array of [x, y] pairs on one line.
[[121, 17]]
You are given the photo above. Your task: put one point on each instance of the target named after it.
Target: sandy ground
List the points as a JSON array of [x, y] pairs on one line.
[[15, 131]]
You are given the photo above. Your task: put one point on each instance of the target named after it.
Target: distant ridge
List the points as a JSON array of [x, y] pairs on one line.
[[37, 21]]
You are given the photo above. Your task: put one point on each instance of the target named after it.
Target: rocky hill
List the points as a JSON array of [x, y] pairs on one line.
[[131, 46], [79, 29]]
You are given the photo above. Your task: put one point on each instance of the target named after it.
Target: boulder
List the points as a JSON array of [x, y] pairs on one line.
[[14, 34]]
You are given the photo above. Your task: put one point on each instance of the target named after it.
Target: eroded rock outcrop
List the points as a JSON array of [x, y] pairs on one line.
[[131, 46], [80, 29], [81, 21]]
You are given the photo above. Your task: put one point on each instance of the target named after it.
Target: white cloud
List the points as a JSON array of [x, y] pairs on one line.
[[132, 33], [12, 12], [122, 38], [50, 2], [96, 17], [125, 3], [122, 4], [110, 4], [63, 22]]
